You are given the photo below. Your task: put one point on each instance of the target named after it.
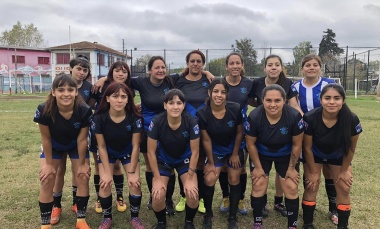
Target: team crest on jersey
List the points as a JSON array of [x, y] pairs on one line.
[[196, 129], [317, 95], [358, 128], [151, 125], [185, 134], [139, 123], [77, 125], [284, 130], [166, 90], [243, 90], [86, 92], [205, 84], [305, 124], [247, 126], [129, 128], [294, 89], [301, 124], [38, 114], [92, 125], [231, 123]]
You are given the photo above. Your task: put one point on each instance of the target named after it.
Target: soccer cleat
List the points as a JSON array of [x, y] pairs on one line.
[[136, 223], [55, 215], [74, 208], [105, 224], [201, 207], [308, 226], [225, 205], [265, 211], [98, 207], [84, 225], [207, 221], [169, 207], [120, 204], [241, 208], [180, 207], [292, 228], [232, 223], [257, 226], [281, 209], [149, 204], [189, 225], [334, 217], [46, 226], [160, 226]]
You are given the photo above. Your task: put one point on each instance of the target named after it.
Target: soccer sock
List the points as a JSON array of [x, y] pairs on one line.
[[118, 180], [208, 196], [135, 203], [201, 183], [170, 188], [161, 216], [96, 184], [74, 188], [344, 211], [223, 181], [181, 192], [243, 184], [292, 208], [45, 212], [190, 213], [82, 202], [308, 208], [57, 199], [106, 206], [277, 199], [331, 194], [149, 180], [234, 199], [257, 204]]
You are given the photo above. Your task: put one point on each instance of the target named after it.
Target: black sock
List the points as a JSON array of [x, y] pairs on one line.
[[234, 199], [149, 180], [57, 199], [292, 208], [223, 181], [118, 180], [170, 188], [308, 212], [208, 196], [278, 199], [257, 204], [96, 184], [135, 203], [181, 192], [74, 188], [331, 194], [161, 216], [243, 184], [45, 212], [201, 183], [343, 215], [82, 202], [106, 206], [190, 213]]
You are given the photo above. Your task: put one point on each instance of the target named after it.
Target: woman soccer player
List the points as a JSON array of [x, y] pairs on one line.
[[117, 126], [173, 143], [274, 134], [221, 125], [331, 135], [63, 121]]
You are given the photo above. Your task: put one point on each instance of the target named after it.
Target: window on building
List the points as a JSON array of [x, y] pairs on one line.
[[18, 59], [63, 58], [43, 60], [100, 59], [111, 60]]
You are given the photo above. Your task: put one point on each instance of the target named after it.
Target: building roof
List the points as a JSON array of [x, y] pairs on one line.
[[86, 45], [23, 48]]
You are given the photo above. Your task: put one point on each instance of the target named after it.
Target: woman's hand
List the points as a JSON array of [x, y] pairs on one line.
[[234, 161], [98, 86], [158, 186], [46, 171], [312, 181], [191, 187], [209, 168], [256, 174], [292, 174], [134, 180], [84, 169], [105, 180], [346, 177]]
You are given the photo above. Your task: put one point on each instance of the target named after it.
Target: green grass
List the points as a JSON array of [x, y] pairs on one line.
[[19, 184]]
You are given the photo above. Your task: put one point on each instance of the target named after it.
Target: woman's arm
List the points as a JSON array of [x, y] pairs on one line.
[[234, 159], [345, 174], [106, 178], [48, 168], [135, 152], [207, 145], [294, 103], [194, 146], [258, 171], [98, 85], [84, 168]]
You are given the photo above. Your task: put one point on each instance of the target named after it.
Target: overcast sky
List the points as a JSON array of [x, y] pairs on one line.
[[207, 24]]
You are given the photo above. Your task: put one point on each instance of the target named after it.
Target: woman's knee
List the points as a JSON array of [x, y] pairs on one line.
[[210, 179]]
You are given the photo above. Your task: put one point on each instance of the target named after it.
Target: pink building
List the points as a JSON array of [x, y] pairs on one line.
[[30, 66]]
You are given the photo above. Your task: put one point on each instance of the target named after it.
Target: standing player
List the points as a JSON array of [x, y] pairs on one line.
[[221, 125], [173, 143], [309, 89], [63, 121], [117, 126], [331, 136], [274, 134], [275, 75]]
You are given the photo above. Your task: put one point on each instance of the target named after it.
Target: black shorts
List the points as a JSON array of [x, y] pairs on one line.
[[73, 154], [166, 168], [281, 164], [220, 160], [334, 161], [144, 142], [112, 159]]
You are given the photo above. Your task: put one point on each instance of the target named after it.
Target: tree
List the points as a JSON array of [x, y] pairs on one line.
[[328, 45], [143, 60], [23, 36], [218, 66], [299, 52], [245, 47]]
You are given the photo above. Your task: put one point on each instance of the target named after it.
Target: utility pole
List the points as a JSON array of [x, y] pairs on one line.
[[124, 51]]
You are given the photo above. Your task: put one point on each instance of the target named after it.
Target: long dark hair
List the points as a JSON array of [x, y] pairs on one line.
[[51, 107], [242, 71], [81, 61], [150, 65], [344, 121], [115, 87], [212, 86], [119, 65], [281, 77]]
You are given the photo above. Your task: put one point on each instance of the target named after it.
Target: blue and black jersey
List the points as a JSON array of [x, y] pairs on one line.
[[85, 91], [259, 85]]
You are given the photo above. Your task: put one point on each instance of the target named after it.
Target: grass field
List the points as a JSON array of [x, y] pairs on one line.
[[19, 184]]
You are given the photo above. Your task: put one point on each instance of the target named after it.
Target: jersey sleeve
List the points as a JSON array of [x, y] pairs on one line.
[[135, 83], [86, 116], [97, 124], [153, 129], [307, 124], [194, 131], [39, 118], [356, 126], [201, 119], [137, 125], [298, 126], [250, 127]]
